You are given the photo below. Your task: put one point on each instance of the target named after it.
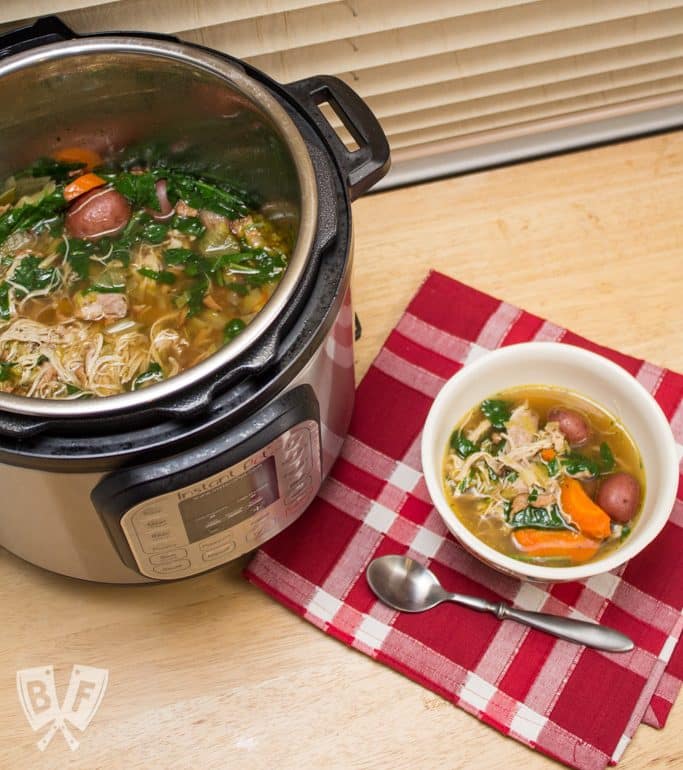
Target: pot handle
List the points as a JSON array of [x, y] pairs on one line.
[[48, 29], [365, 166]]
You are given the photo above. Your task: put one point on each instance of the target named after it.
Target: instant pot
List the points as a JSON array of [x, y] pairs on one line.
[[187, 474]]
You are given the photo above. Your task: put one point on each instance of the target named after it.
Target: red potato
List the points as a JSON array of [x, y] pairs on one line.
[[572, 425], [619, 496], [98, 213], [167, 210]]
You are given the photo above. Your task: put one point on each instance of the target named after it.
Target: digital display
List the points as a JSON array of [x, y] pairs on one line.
[[230, 501]]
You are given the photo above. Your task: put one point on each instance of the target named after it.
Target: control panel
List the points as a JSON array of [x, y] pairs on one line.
[[194, 528]]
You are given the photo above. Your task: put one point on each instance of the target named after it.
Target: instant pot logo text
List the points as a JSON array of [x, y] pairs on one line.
[[223, 478], [38, 698]]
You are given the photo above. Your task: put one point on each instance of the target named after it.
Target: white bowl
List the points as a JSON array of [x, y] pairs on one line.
[[591, 375]]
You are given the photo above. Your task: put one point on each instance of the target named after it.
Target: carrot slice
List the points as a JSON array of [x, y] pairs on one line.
[[588, 517], [548, 454], [89, 158], [82, 184], [541, 543]]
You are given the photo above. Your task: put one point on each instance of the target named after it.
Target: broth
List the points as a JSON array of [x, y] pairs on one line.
[[544, 475]]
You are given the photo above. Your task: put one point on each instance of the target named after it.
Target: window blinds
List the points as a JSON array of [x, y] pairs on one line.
[[444, 77]]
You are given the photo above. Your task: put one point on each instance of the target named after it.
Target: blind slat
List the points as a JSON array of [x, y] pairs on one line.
[[343, 21], [177, 15], [15, 10], [454, 36], [608, 40], [537, 112], [461, 106]]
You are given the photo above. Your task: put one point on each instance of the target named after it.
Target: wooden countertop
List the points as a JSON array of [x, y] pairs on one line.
[[210, 672]]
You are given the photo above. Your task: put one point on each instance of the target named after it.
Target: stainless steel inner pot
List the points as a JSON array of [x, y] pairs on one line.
[[111, 93]]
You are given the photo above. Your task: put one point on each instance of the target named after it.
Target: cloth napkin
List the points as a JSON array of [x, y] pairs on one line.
[[575, 704]]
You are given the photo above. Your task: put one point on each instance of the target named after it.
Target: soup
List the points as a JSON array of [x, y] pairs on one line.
[[116, 277], [544, 475]]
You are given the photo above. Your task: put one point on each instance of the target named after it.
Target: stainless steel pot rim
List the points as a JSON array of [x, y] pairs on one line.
[[258, 94]]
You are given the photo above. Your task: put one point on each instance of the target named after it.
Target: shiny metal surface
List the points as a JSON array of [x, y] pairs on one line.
[[408, 586], [51, 521], [109, 93]]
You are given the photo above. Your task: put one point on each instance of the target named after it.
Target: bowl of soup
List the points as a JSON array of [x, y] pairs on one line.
[[549, 462]]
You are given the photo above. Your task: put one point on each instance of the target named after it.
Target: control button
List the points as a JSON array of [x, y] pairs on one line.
[[213, 542], [300, 466], [298, 500], [300, 483], [168, 556], [298, 495], [296, 473], [218, 551], [153, 542], [172, 569], [300, 490], [157, 535], [296, 460], [148, 510], [295, 449], [155, 523], [294, 453], [259, 531]]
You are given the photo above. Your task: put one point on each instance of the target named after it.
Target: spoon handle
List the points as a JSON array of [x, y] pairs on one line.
[[590, 634]]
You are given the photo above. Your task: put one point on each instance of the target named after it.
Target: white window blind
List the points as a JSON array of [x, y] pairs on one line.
[[449, 80]]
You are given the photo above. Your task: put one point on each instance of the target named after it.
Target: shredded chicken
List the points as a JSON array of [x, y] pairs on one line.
[[98, 306], [506, 469], [476, 433]]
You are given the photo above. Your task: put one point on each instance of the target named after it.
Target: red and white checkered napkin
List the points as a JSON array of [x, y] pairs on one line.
[[578, 705]]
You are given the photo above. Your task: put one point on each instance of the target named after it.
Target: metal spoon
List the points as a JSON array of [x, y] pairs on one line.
[[407, 585]]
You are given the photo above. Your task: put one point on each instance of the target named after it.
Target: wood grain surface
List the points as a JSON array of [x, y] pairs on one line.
[[209, 672]]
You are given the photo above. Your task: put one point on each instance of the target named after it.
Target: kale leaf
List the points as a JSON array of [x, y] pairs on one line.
[[188, 225], [553, 467], [153, 374], [139, 189], [232, 329], [154, 232], [179, 256], [461, 445], [7, 370], [55, 169], [32, 214], [538, 518], [574, 463], [194, 296], [4, 301], [31, 277], [160, 276], [497, 412], [200, 193], [608, 461], [77, 252]]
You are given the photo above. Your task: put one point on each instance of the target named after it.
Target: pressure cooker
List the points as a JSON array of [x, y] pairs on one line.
[[187, 474]]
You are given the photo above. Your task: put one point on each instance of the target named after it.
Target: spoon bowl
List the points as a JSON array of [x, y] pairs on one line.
[[405, 584]]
